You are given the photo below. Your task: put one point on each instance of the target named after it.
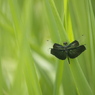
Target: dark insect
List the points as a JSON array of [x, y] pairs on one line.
[[67, 51]]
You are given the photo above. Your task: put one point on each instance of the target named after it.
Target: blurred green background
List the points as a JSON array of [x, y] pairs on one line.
[[28, 30]]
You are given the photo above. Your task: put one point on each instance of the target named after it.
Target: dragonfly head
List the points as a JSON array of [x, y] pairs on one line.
[[65, 43]]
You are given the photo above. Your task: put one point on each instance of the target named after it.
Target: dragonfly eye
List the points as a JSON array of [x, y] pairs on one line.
[[65, 43]]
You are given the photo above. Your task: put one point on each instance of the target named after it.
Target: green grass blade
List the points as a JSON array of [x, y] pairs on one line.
[[58, 22], [92, 40], [58, 78], [80, 80]]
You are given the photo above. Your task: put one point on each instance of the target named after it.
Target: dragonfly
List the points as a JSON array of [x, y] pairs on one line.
[[72, 50]]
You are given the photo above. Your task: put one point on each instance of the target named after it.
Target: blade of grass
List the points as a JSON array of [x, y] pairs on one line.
[[46, 81], [26, 64], [80, 80], [59, 24], [67, 81], [92, 41], [52, 24], [67, 21], [1, 76], [29, 67], [58, 78]]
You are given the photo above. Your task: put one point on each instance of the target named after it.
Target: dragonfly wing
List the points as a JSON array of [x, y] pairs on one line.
[[74, 52], [73, 44], [57, 46], [61, 54]]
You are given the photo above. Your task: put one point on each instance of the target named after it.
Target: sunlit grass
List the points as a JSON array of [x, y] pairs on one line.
[[26, 65]]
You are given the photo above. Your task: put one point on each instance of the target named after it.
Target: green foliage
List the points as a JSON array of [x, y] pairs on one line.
[[26, 65]]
